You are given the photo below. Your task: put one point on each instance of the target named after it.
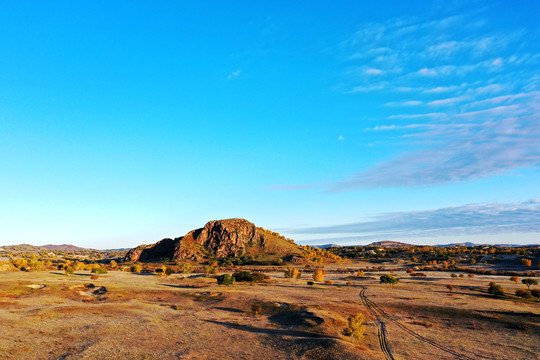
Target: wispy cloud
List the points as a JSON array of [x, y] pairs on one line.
[[234, 74], [469, 219]]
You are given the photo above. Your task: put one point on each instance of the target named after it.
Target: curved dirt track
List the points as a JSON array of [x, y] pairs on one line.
[[379, 313], [381, 333]]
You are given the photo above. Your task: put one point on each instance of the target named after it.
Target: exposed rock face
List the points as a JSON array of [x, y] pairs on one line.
[[218, 238], [158, 250]]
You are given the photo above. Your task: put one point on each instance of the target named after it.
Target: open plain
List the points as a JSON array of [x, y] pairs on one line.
[[48, 315]]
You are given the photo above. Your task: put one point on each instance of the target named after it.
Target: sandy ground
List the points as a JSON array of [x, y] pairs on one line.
[[152, 317]]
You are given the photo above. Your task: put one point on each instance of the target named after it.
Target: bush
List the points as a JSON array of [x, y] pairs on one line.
[[471, 275], [450, 287], [292, 273], [310, 283], [389, 279], [211, 269], [496, 290], [535, 293], [318, 275], [94, 277], [99, 270], [329, 282], [453, 275], [186, 268], [246, 276], [355, 327], [168, 271], [113, 264], [524, 293], [514, 279], [68, 270], [225, 279], [136, 268]]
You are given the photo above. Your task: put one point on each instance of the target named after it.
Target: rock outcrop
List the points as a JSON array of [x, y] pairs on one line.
[[217, 239]]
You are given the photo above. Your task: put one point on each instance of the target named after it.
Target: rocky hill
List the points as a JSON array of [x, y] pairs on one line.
[[219, 239]]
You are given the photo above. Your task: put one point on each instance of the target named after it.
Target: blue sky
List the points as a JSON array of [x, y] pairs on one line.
[[346, 122]]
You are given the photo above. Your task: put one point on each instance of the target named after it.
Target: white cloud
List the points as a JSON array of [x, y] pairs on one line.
[[234, 74], [341, 138], [427, 72], [373, 71]]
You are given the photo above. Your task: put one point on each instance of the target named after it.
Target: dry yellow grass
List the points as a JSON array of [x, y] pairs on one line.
[[153, 317]]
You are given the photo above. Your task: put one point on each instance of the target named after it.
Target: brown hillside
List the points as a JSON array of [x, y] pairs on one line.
[[218, 239]]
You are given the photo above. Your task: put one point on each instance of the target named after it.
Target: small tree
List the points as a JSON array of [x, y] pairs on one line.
[[496, 290], [168, 271], [529, 282], [514, 279], [225, 279], [113, 264], [471, 275], [450, 288], [453, 275], [68, 270], [211, 269], [318, 275], [389, 279], [136, 268], [292, 273], [355, 327], [186, 268], [360, 273]]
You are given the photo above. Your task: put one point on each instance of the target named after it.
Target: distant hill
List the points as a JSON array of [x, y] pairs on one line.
[[219, 239], [34, 248], [458, 244], [63, 247], [389, 244], [326, 246], [23, 248]]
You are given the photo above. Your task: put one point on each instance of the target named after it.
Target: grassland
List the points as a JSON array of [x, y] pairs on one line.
[[146, 316]]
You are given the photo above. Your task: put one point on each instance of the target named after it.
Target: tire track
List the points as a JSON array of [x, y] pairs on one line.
[[375, 310], [381, 332]]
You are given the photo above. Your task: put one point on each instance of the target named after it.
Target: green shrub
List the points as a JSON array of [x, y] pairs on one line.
[[389, 279], [99, 270], [168, 271], [496, 290], [225, 279], [246, 276]]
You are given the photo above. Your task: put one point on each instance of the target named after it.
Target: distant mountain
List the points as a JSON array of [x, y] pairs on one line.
[[326, 246], [458, 244], [63, 247], [389, 244]]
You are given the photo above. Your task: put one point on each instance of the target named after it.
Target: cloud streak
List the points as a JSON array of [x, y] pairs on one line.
[[471, 219]]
